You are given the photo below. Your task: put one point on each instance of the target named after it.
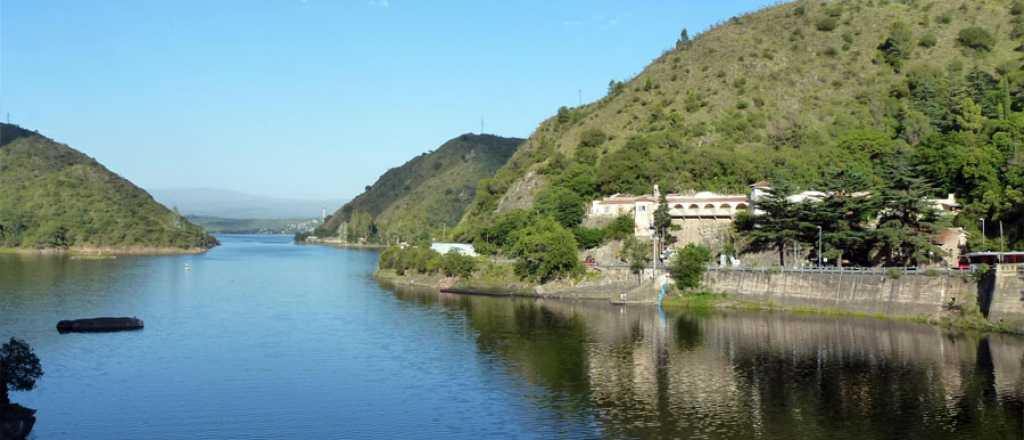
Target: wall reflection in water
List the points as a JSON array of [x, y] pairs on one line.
[[640, 373]]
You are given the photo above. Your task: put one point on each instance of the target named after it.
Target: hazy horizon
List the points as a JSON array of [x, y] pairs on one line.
[[311, 99]]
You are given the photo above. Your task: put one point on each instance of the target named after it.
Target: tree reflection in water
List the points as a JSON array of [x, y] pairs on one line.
[[751, 374]]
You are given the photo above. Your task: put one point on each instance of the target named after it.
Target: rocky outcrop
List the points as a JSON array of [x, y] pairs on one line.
[[16, 422]]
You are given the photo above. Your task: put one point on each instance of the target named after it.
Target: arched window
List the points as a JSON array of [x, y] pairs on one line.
[[709, 206], [678, 207], [694, 206], [741, 206], [725, 206]]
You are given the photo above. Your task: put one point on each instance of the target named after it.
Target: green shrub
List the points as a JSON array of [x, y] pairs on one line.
[[928, 41], [898, 46], [455, 264], [563, 205], [622, 227], [688, 265], [545, 251], [1017, 30], [1017, 8], [589, 238], [826, 24], [976, 38]]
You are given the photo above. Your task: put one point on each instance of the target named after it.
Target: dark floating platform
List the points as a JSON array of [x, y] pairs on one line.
[[93, 325]]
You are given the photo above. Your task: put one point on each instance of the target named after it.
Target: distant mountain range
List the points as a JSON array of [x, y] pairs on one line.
[[227, 204]]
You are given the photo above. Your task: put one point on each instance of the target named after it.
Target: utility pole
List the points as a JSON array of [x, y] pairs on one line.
[[654, 249], [579, 92], [481, 125], [1002, 240]]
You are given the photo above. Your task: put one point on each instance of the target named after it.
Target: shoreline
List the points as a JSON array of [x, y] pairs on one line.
[[100, 251], [341, 244], [700, 301], [582, 291], [722, 301]]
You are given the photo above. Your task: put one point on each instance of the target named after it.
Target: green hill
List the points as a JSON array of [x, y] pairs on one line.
[[52, 196], [795, 92], [424, 195]]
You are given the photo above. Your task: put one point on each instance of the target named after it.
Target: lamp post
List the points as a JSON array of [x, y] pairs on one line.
[[984, 239], [819, 246]]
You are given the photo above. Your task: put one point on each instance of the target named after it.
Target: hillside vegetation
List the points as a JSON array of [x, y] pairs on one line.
[[52, 196], [423, 196], [795, 93]]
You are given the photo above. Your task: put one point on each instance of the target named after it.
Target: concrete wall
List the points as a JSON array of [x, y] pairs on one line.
[[1007, 303], [1001, 298], [907, 295]]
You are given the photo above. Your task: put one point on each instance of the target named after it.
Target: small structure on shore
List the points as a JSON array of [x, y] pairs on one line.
[[93, 325], [462, 248]]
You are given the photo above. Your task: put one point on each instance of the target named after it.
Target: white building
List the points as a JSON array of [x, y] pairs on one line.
[[705, 217], [696, 206], [462, 248]]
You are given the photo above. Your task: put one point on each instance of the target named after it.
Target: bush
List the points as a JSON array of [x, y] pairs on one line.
[[545, 251], [563, 205], [688, 265], [826, 24], [589, 238], [898, 46], [420, 259], [622, 227], [894, 274], [1017, 8], [928, 41], [976, 38], [455, 264]]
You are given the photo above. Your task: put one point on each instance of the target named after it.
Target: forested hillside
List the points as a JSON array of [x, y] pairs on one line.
[[423, 196], [52, 196], [795, 93]]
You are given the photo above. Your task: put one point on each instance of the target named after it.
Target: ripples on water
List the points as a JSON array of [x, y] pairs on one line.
[[263, 339]]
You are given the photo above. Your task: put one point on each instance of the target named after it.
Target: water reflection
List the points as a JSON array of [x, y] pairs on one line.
[[751, 375]]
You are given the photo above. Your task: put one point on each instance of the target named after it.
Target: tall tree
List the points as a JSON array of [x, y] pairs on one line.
[[637, 253], [843, 215], [906, 221], [775, 221], [663, 221]]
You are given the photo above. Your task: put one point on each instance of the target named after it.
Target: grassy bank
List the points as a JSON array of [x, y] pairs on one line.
[[969, 320]]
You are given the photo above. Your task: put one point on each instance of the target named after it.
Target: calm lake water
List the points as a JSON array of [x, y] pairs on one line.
[[263, 339]]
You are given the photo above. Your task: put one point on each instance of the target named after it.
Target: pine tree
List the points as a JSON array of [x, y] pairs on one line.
[[906, 221], [663, 221], [843, 215], [776, 221]]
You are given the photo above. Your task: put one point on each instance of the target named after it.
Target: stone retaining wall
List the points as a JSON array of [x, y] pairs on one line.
[[876, 293]]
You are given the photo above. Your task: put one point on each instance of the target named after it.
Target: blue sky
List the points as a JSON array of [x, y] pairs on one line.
[[312, 98]]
